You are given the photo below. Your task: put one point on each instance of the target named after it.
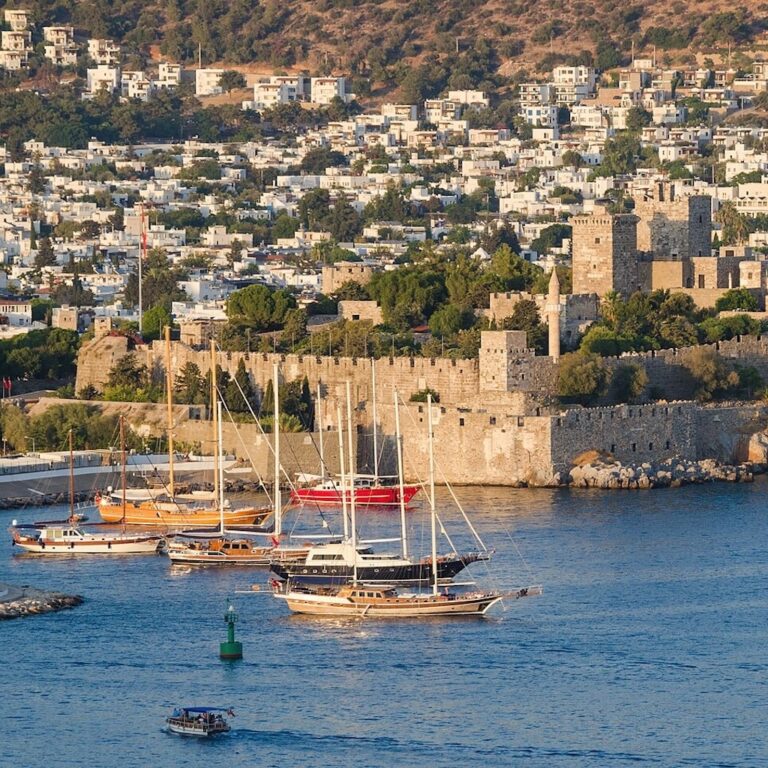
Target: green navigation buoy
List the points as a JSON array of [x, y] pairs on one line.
[[232, 649]]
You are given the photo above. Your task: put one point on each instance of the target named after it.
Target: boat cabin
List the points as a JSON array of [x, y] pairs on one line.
[[61, 534], [366, 592]]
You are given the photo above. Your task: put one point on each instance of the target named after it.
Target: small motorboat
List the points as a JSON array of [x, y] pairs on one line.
[[199, 721]]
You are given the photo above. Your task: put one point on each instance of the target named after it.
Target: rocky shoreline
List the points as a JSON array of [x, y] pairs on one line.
[[607, 473], [17, 602]]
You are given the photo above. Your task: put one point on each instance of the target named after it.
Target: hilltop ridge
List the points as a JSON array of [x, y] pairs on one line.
[[459, 42]]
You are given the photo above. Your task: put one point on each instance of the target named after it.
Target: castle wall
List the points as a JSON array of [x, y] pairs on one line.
[[96, 359]]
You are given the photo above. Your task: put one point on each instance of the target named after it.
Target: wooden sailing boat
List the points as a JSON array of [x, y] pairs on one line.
[[71, 539], [170, 509], [358, 599], [374, 490]]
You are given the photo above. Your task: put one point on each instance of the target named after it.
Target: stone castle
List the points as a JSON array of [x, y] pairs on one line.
[[495, 414]]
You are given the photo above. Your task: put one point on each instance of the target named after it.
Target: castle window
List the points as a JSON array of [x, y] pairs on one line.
[[461, 422], [666, 445], [493, 421], [597, 241], [613, 447], [634, 447], [702, 282], [520, 421], [650, 446]]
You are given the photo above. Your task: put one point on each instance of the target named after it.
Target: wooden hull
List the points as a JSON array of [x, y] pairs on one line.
[[376, 496], [169, 515], [396, 608], [128, 546], [260, 558]]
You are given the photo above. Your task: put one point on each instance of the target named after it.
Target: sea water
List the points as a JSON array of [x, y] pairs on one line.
[[647, 646]]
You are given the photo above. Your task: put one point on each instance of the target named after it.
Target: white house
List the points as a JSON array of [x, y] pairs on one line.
[[325, 89], [105, 52], [15, 312], [168, 75], [102, 77], [208, 82]]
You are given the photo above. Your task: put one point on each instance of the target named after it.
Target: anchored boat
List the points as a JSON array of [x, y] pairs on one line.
[[199, 721], [379, 602], [71, 540]]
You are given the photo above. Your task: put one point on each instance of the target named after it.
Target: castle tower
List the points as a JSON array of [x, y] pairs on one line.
[[605, 253], [673, 226], [553, 316]]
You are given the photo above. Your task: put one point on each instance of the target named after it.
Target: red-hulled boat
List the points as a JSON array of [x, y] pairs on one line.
[[369, 491]]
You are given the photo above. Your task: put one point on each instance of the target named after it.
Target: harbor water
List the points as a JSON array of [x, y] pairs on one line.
[[647, 646]]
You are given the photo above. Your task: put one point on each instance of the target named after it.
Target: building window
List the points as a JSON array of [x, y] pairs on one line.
[[650, 446], [634, 447], [493, 421], [666, 445], [613, 447], [597, 241], [520, 421], [461, 422]]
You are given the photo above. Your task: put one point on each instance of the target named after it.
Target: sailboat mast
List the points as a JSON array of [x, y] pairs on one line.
[[352, 505], [220, 452], [142, 256], [169, 400], [400, 471], [433, 513], [342, 474], [214, 415], [122, 465], [71, 478], [375, 426], [276, 432], [319, 411]]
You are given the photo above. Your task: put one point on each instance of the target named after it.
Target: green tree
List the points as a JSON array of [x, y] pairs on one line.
[[449, 320], [239, 392], [259, 308], [711, 374], [188, 387], [295, 328], [230, 80], [45, 256], [36, 180], [315, 161], [581, 378], [734, 228], [129, 381], [737, 298], [159, 282], [154, 321], [638, 118], [551, 237], [628, 382], [343, 222], [525, 317]]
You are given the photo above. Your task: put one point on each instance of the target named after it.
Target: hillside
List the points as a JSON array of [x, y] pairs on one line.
[[385, 41]]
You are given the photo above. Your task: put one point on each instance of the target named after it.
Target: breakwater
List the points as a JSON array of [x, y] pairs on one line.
[[17, 602]]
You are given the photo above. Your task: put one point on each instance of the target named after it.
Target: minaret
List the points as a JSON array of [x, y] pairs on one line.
[[553, 316]]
